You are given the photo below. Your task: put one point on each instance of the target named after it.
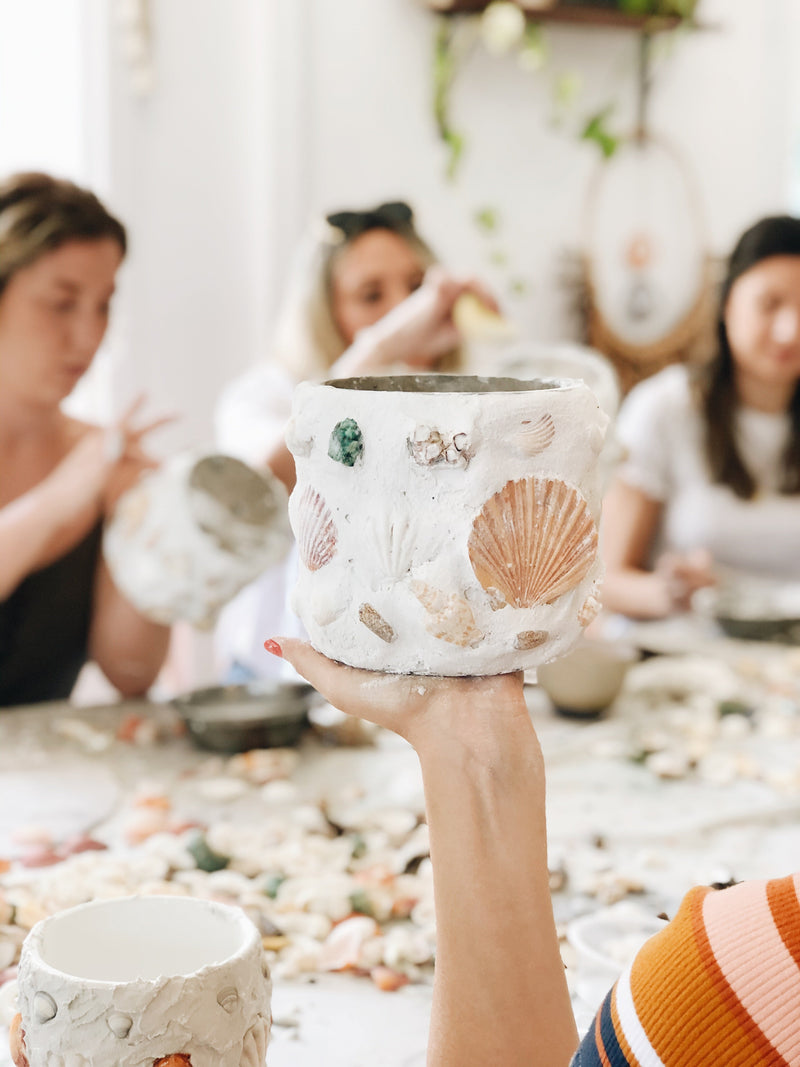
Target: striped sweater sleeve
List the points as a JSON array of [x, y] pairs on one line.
[[719, 985]]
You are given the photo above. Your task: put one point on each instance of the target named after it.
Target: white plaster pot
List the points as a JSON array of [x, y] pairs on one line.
[[187, 537], [446, 524], [143, 981]]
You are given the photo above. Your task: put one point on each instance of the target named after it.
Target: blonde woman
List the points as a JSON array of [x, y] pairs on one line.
[[60, 250], [365, 297]]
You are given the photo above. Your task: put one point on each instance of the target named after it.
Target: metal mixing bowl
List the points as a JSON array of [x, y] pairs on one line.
[[235, 718]]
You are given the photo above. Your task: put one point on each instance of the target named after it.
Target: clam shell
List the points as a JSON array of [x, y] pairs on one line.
[[254, 1046], [44, 1008], [374, 621], [448, 616], [119, 1024], [316, 530], [533, 541], [228, 999], [535, 435]]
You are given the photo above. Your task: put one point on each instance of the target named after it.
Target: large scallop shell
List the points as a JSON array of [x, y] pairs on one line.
[[533, 541], [449, 616], [254, 1046], [535, 435], [316, 530]]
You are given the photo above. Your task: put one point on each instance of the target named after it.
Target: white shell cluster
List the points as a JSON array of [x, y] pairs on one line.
[[449, 521]]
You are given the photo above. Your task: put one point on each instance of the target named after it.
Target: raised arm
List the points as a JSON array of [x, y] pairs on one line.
[[500, 995]]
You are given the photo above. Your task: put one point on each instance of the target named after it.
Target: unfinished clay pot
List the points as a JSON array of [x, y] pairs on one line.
[[446, 524], [143, 982]]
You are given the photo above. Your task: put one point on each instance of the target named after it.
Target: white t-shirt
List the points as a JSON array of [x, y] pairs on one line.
[[251, 416], [661, 428]]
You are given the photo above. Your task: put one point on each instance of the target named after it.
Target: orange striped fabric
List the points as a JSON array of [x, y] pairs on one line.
[[719, 985]]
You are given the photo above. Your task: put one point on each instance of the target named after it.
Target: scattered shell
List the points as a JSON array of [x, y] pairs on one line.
[[535, 435], [530, 639], [394, 538], [44, 1008], [429, 447], [316, 531], [533, 541], [342, 947], [119, 1024], [254, 1046], [450, 617], [228, 999], [346, 443], [374, 621], [589, 610], [388, 980]]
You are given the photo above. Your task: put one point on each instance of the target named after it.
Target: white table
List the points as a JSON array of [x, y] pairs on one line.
[[615, 824]]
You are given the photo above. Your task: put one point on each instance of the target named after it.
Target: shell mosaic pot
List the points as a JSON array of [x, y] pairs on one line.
[[187, 537], [143, 982], [446, 524]]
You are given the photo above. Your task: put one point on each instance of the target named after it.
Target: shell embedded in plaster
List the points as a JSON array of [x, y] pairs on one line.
[[44, 1008], [533, 541], [316, 530], [144, 1021], [535, 435], [528, 639], [441, 555]]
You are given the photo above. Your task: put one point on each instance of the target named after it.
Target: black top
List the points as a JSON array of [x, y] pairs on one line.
[[44, 627]]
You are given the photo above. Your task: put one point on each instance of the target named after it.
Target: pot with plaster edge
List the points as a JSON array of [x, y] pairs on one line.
[[135, 981], [446, 524]]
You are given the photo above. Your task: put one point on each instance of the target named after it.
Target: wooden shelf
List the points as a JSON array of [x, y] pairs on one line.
[[575, 15]]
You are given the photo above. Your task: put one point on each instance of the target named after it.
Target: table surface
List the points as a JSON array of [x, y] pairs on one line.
[[693, 777]]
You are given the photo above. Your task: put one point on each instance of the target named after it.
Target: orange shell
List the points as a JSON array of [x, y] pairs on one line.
[[177, 1059], [16, 1042], [533, 541], [316, 532]]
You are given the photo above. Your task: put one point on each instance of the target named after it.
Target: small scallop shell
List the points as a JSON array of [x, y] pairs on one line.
[[533, 541], [535, 435], [254, 1046], [391, 545], [449, 617], [119, 1024], [374, 621], [316, 530], [528, 639], [44, 1008]]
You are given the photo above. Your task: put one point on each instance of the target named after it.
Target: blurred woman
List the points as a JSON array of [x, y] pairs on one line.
[[711, 482], [366, 297], [60, 251]]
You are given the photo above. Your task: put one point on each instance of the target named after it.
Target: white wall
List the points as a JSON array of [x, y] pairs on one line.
[[723, 97]]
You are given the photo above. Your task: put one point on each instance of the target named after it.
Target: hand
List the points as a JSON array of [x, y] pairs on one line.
[[416, 707], [125, 453], [682, 574], [418, 332]]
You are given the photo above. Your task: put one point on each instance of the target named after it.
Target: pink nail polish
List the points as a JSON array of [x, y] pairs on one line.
[[273, 647]]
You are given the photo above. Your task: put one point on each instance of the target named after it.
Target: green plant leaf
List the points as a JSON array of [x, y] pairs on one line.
[[596, 130], [486, 219]]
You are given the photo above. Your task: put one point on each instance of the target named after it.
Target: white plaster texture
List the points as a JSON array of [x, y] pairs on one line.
[[386, 577], [219, 1015]]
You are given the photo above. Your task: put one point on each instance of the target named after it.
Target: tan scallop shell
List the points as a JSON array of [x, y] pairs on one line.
[[316, 531], [535, 435], [449, 616], [533, 541], [373, 620], [254, 1046]]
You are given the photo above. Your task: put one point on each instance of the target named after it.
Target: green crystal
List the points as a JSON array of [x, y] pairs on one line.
[[205, 857], [346, 443]]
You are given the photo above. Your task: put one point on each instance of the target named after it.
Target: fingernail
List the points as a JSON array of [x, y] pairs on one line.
[[273, 647]]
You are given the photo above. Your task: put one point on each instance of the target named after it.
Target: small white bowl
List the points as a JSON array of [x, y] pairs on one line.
[[587, 680]]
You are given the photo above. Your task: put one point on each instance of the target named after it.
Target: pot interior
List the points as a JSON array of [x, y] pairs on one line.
[[142, 938], [446, 383]]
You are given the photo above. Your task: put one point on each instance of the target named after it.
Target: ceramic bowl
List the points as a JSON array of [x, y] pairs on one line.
[[236, 718], [587, 680]]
